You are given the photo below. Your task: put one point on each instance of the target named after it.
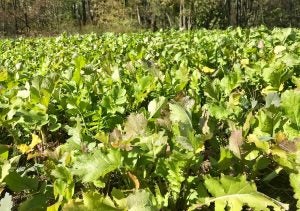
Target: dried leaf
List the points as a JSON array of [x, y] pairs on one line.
[[134, 180]]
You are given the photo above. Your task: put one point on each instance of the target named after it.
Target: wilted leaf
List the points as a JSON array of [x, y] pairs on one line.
[[235, 142], [135, 125], [135, 180]]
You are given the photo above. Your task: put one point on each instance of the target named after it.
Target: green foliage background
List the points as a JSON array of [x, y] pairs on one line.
[[151, 121]]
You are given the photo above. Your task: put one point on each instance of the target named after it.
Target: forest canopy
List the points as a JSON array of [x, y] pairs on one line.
[[54, 16]]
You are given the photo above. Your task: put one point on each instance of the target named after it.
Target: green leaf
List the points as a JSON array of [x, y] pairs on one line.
[[6, 203], [95, 201], [218, 110], [268, 121], [155, 106], [235, 192], [18, 183], [63, 185], [180, 115], [3, 75], [231, 81], [279, 48], [295, 182], [153, 144], [36, 202], [79, 64], [272, 99], [5, 168], [140, 201], [90, 167], [291, 105]]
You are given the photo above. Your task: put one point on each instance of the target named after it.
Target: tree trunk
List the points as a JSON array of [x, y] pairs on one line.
[[182, 17], [83, 7], [138, 15], [169, 19]]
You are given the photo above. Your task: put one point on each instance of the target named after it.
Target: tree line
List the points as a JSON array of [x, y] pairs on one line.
[[54, 16]]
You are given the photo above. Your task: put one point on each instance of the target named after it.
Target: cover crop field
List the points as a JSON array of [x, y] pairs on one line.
[[206, 120]]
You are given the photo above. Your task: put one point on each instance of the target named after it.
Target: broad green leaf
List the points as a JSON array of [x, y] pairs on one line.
[[290, 102], [5, 168], [235, 192], [296, 81], [279, 48], [272, 99], [179, 114], [268, 121], [276, 75], [90, 167], [54, 207], [218, 110], [4, 152], [36, 202], [140, 201], [18, 183], [23, 94], [63, 185], [95, 201], [79, 64], [259, 143], [295, 183], [3, 75], [153, 144], [91, 201], [291, 130], [231, 81], [155, 106]]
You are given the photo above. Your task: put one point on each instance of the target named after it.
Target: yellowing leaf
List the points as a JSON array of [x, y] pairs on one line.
[[23, 148], [281, 87], [280, 137], [3, 75], [35, 141], [268, 90], [279, 48], [264, 145], [33, 155], [207, 70], [245, 62]]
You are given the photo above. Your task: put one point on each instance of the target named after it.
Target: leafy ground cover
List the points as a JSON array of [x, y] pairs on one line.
[[206, 120]]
